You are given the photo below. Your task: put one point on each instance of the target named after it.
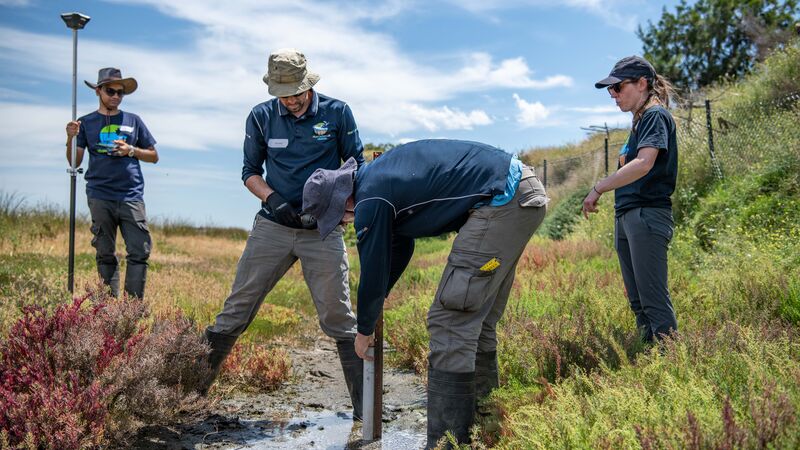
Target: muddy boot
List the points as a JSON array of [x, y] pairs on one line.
[[451, 405], [486, 377], [353, 368], [221, 345]]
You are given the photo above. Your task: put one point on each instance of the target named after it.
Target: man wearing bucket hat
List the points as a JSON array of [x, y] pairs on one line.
[[117, 141], [291, 135], [427, 188]]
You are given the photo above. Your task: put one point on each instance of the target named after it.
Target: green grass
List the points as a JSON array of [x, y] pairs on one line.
[[573, 372]]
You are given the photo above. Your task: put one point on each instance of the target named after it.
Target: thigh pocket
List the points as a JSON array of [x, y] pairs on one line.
[[96, 232], [466, 280]]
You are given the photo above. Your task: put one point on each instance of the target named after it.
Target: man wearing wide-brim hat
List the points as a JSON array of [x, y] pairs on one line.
[[286, 139], [117, 141]]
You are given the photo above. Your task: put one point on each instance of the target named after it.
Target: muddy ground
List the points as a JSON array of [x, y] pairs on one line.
[[311, 411]]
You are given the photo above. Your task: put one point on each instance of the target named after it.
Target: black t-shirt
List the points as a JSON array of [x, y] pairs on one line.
[[655, 129]]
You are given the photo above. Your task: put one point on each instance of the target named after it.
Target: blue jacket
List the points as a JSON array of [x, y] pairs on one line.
[[291, 148], [423, 188]]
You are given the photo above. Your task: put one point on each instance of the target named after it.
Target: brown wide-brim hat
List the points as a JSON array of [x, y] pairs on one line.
[[287, 73], [110, 75]]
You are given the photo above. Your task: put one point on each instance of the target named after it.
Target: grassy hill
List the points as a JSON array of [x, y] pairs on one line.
[[573, 373]]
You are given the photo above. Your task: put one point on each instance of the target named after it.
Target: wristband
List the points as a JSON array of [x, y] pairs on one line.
[[595, 189]]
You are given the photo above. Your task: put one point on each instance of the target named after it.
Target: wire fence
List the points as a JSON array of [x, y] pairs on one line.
[[723, 140]]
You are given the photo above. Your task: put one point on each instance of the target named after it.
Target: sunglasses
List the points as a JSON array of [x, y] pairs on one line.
[[112, 92], [616, 87]]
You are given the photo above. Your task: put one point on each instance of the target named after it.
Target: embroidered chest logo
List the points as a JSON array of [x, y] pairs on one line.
[[322, 131]]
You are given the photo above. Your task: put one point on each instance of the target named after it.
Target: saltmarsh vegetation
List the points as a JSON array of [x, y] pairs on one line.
[[573, 372], [90, 372]]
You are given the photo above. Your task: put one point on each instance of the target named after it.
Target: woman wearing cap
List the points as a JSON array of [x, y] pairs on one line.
[[642, 185]]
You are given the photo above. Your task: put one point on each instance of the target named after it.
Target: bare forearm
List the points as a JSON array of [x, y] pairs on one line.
[[78, 153], [258, 187], [627, 174], [146, 154]]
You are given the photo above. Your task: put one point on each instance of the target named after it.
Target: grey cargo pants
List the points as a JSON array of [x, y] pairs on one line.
[[270, 251], [131, 219], [477, 279]]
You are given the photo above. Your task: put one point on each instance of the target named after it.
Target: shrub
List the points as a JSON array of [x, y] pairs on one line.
[[252, 367], [91, 372]]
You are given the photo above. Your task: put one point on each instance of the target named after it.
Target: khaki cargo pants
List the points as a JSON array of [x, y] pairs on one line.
[[477, 280], [270, 251]]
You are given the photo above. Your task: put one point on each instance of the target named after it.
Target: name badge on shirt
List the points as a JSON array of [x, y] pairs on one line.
[[126, 129], [278, 143]]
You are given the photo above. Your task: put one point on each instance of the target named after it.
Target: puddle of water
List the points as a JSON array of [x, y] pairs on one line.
[[322, 430]]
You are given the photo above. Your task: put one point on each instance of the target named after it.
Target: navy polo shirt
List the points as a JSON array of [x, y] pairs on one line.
[[655, 129], [116, 178], [285, 149]]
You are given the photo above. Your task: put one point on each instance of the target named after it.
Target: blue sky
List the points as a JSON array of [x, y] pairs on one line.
[[512, 73]]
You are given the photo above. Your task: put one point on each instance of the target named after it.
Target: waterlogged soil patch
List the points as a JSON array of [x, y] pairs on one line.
[[311, 411]]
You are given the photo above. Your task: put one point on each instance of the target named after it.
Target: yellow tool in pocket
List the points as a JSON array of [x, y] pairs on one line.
[[492, 264]]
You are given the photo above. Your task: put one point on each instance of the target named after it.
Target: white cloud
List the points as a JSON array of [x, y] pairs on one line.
[[446, 118], [536, 114], [531, 114], [15, 2], [480, 72]]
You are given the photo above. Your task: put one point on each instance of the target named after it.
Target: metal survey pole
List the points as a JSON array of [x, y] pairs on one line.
[[75, 21], [373, 387]]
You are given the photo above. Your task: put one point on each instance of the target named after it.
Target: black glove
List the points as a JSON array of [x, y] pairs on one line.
[[282, 211], [309, 223]]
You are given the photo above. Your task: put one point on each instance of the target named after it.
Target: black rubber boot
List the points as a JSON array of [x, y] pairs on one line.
[[486, 377], [109, 273], [135, 278], [353, 369], [221, 346], [451, 406]]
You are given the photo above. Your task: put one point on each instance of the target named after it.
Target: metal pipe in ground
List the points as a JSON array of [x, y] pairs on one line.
[[373, 387], [368, 409]]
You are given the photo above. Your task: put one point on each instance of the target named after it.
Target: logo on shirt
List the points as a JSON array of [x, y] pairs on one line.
[[109, 134], [321, 131]]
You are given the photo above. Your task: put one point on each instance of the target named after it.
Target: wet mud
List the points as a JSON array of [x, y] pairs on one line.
[[310, 411]]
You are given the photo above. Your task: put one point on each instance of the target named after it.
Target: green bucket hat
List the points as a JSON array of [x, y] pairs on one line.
[[287, 74]]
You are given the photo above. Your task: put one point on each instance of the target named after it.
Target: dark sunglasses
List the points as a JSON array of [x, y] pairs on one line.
[[616, 87], [112, 92]]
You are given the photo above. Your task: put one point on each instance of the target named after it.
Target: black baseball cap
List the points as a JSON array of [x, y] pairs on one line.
[[628, 68]]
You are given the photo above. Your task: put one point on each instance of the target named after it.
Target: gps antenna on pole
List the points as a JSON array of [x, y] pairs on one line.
[[75, 21]]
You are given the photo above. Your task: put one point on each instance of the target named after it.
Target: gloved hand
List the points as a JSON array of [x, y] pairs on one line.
[[282, 211], [309, 223]]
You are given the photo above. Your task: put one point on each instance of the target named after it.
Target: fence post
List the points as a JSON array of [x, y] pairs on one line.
[[710, 128], [544, 179], [605, 147]]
